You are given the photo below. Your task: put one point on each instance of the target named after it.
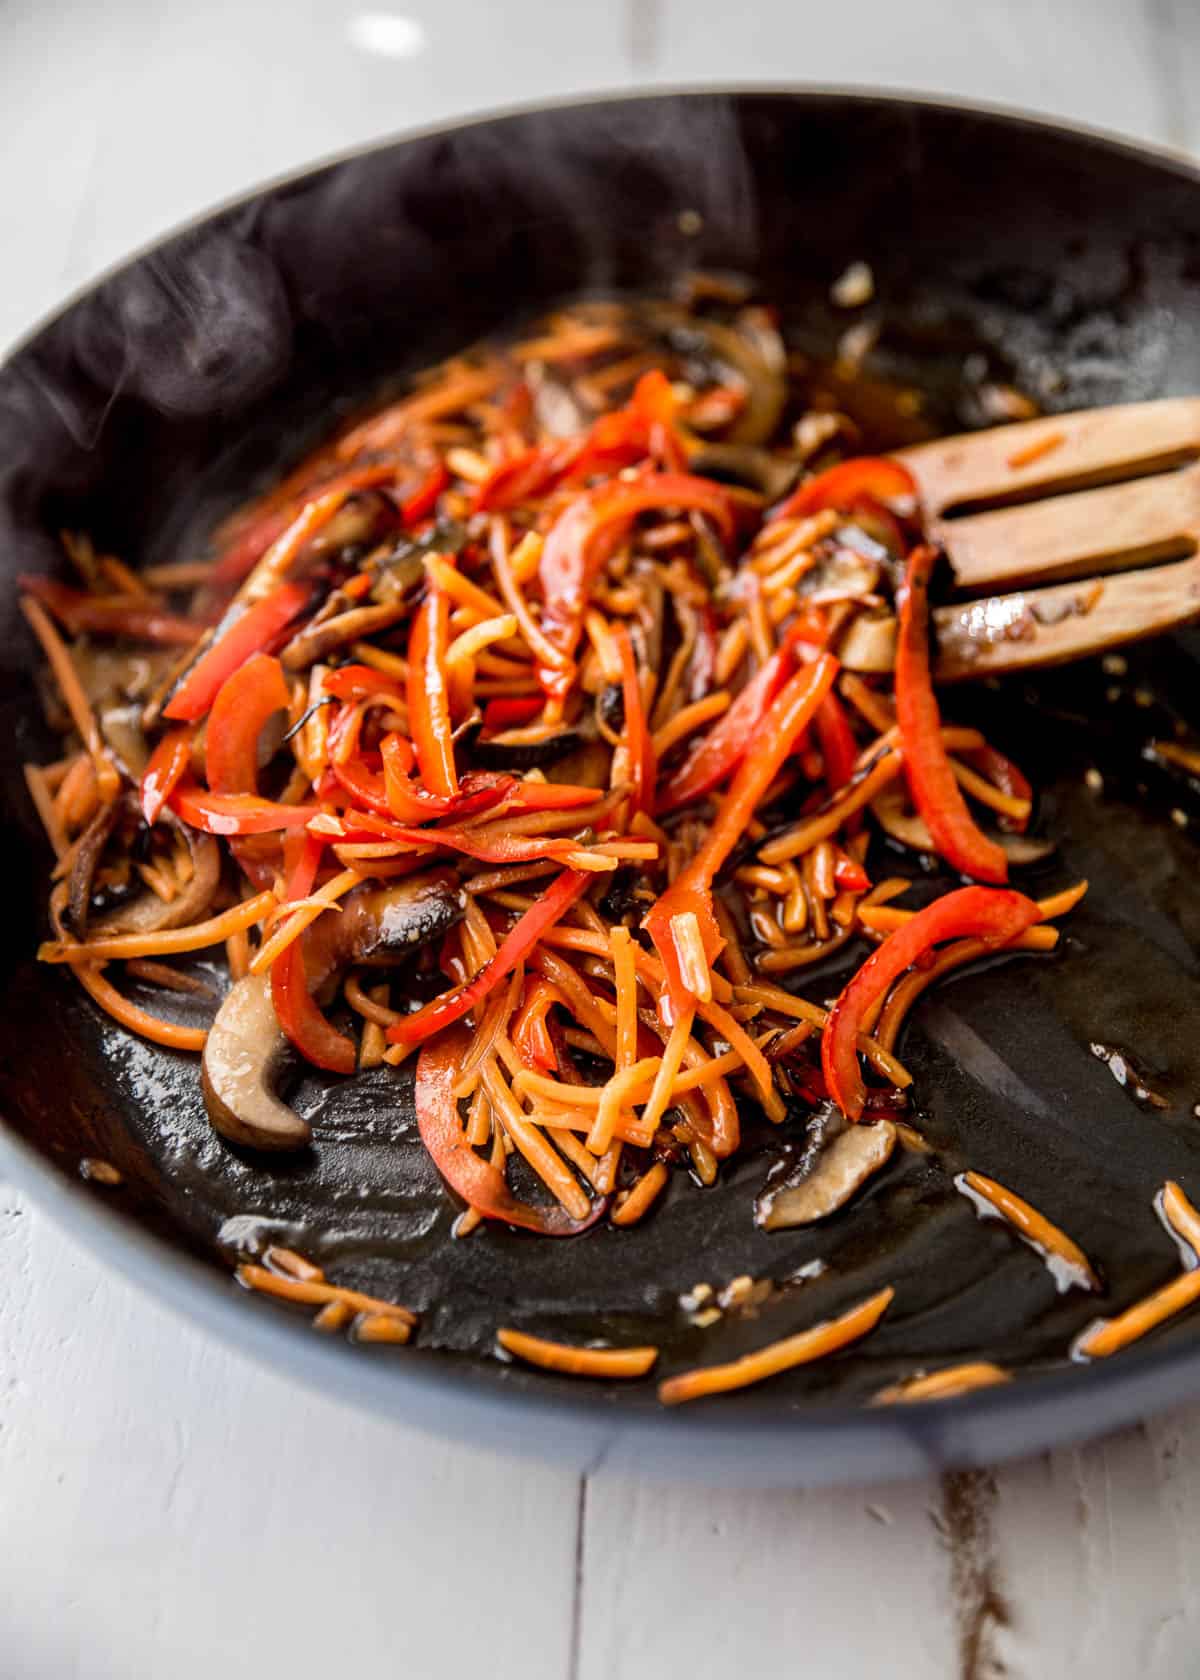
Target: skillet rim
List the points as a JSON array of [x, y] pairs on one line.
[[818, 1443]]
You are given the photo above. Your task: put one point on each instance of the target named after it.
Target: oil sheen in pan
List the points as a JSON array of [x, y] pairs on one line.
[[1006, 1084]]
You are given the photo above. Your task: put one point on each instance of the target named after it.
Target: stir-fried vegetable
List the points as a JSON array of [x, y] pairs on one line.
[[521, 698]]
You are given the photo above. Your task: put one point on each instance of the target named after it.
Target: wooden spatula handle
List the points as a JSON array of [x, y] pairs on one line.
[[1069, 536], [1089, 446], [1004, 633]]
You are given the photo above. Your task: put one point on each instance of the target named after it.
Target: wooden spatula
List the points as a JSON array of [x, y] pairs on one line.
[[1056, 525]]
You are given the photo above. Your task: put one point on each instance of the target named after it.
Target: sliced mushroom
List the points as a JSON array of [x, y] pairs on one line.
[[398, 568], [752, 351], [83, 870], [869, 643], [150, 914], [317, 640], [246, 1048], [841, 1168], [382, 924], [773, 476], [556, 408], [121, 727], [841, 573], [523, 749], [243, 1055], [908, 829]]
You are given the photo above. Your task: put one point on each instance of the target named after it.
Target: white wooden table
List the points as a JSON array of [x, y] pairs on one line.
[[168, 1509]]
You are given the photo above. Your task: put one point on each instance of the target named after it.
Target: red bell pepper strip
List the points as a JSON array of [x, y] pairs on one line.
[[510, 714], [363, 682], [653, 405], [995, 916], [78, 611], [838, 746], [530, 1034], [551, 796], [422, 504], [842, 487], [302, 855], [639, 746], [480, 1184], [428, 697], [250, 544], [931, 781], [718, 753], [301, 1019], [168, 762], [587, 532], [522, 477], [785, 721], [839, 750], [399, 758], [246, 700], [1005, 775], [471, 842], [236, 813], [295, 1009], [253, 630], [550, 908], [480, 791], [849, 876]]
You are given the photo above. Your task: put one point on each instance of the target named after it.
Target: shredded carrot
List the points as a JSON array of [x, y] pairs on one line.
[[137, 1020], [689, 718], [884, 918], [795, 841], [381, 1327], [533, 1146], [634, 1204], [943, 1384], [823, 1339], [1108, 1336], [980, 788], [616, 1096], [1031, 452], [577, 1361], [693, 963], [1180, 1215], [459, 634], [170, 942], [313, 1291], [301, 914], [1050, 1242], [295, 1265], [74, 697]]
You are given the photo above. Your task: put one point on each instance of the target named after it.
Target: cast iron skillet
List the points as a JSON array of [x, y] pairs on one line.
[[1070, 263]]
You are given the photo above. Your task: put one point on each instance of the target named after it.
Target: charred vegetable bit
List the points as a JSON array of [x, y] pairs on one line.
[[508, 734]]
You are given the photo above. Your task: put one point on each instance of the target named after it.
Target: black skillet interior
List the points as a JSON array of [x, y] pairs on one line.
[[154, 401]]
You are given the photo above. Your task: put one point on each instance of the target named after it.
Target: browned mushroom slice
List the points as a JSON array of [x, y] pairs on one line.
[[841, 1169], [83, 870], [150, 914], [908, 829], [243, 1054], [751, 351], [382, 924], [321, 638], [245, 1049], [746, 464]]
